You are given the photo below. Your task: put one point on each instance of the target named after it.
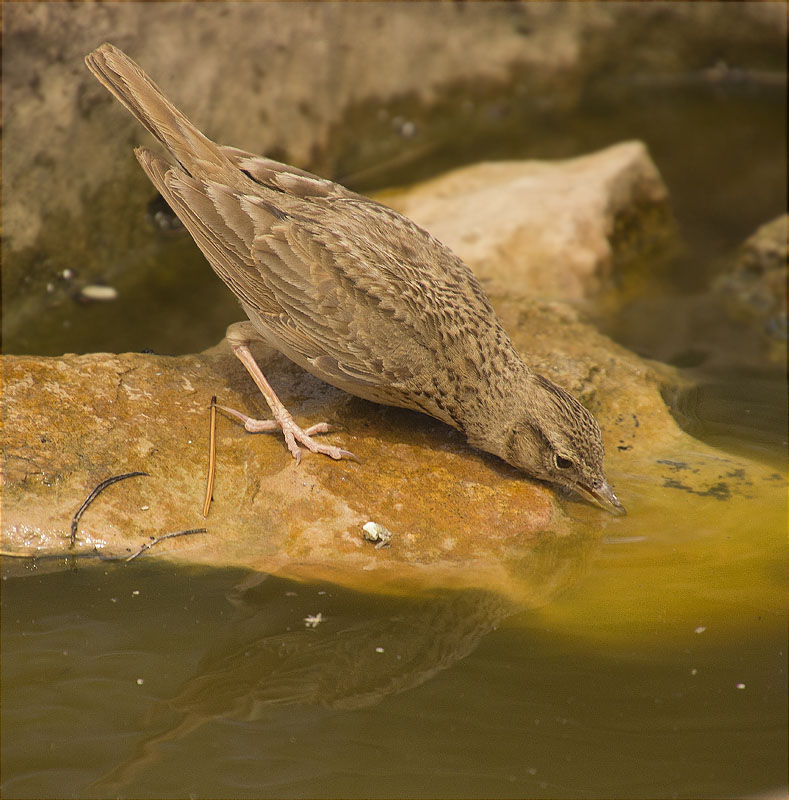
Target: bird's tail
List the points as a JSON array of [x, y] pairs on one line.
[[146, 101]]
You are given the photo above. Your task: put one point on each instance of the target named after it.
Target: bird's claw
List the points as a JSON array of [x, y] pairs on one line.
[[294, 435], [303, 437]]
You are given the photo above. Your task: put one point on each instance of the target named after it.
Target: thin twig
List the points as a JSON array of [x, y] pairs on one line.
[[93, 495], [209, 489], [162, 538]]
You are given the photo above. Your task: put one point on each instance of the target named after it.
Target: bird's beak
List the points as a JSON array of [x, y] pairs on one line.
[[603, 495]]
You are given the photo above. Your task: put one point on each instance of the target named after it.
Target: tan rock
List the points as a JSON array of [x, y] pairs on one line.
[[459, 518], [550, 229], [72, 422]]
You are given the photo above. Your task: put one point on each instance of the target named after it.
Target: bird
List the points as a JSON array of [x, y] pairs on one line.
[[359, 296]]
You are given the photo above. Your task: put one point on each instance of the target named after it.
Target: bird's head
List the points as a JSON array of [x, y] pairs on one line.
[[559, 440]]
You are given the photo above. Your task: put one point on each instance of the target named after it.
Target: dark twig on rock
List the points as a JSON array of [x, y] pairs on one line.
[[162, 538], [93, 495]]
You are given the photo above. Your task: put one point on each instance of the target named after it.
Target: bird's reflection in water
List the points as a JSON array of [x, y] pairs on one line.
[[299, 645], [320, 645]]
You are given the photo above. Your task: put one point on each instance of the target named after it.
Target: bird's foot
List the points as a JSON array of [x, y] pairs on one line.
[[294, 434]]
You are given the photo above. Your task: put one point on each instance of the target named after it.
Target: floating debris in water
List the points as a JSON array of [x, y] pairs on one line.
[[313, 620], [94, 293], [160, 216], [373, 532]]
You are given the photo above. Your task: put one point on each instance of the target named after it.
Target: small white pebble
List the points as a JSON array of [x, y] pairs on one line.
[[373, 532], [700, 629], [144, 508], [136, 592], [140, 681], [99, 294], [740, 685], [379, 650], [67, 274]]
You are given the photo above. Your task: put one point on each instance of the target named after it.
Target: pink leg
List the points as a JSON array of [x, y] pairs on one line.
[[239, 342]]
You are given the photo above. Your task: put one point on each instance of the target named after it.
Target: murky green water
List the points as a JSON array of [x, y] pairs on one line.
[[662, 673]]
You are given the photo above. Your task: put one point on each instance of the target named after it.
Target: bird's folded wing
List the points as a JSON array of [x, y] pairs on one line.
[[285, 178]]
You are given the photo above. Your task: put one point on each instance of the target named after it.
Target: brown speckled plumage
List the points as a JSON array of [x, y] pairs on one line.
[[358, 295]]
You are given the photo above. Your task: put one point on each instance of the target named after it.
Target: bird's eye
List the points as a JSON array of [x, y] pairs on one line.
[[562, 462]]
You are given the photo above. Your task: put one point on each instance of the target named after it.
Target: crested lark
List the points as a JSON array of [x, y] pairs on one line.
[[359, 296]]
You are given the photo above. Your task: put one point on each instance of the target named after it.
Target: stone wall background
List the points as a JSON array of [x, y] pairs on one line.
[[373, 93]]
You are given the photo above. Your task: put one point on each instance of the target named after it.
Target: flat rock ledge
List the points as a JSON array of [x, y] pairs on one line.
[[458, 517]]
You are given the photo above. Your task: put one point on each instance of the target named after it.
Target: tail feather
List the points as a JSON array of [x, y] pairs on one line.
[[146, 101]]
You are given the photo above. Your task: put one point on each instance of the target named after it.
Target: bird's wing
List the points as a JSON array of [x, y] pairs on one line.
[[339, 310], [285, 178], [356, 290], [377, 293], [221, 232]]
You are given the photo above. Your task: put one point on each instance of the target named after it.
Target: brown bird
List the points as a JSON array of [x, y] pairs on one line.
[[359, 296]]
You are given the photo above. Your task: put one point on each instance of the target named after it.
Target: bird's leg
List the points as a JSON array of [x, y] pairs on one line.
[[238, 337]]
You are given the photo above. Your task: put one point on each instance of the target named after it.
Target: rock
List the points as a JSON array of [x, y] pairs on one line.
[[560, 230], [754, 291], [459, 518], [100, 415], [737, 322], [357, 92]]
